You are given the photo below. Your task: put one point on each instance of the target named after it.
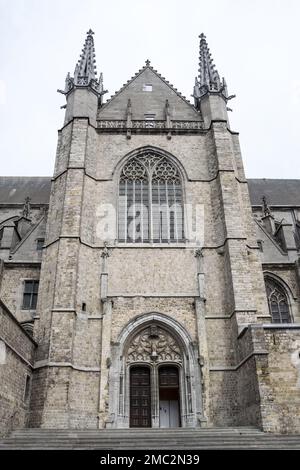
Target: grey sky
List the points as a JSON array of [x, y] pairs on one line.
[[255, 45]]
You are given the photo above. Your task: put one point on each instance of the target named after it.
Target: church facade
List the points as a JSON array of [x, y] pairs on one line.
[[148, 283]]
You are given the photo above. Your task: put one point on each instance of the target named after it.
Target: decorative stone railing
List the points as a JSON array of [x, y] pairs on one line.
[[149, 124]]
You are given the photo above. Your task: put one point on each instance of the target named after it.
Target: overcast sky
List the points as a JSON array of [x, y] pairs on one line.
[[255, 45]]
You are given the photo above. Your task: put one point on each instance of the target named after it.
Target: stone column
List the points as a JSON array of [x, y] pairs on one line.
[[105, 343], [105, 363], [202, 338]]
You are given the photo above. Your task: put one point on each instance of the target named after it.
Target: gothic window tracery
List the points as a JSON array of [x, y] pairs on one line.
[[278, 302], [150, 201]]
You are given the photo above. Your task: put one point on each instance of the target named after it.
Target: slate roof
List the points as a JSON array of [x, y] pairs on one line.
[[143, 103], [278, 192], [14, 190], [137, 74]]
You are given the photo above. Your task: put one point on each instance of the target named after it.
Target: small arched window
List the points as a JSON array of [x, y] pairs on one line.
[[150, 201], [278, 302]]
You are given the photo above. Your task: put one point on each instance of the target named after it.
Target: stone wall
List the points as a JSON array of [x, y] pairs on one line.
[[16, 365], [77, 323], [279, 380], [286, 275], [12, 287]]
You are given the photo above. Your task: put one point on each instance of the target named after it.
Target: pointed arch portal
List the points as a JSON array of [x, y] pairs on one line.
[[155, 380]]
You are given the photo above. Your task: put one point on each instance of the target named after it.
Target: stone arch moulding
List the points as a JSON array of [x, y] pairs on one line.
[[290, 294], [150, 148], [291, 298], [191, 411]]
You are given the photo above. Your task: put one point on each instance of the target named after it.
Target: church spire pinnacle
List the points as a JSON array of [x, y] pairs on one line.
[[208, 79], [208, 75], [85, 70]]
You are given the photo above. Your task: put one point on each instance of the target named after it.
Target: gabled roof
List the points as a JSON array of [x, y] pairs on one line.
[[147, 71]]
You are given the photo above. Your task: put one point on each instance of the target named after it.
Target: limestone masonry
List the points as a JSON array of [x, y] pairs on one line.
[[148, 283]]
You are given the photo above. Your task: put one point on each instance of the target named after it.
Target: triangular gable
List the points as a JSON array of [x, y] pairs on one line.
[[148, 102]]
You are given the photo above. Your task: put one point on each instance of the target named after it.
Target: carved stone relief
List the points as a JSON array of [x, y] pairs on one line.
[[154, 344]]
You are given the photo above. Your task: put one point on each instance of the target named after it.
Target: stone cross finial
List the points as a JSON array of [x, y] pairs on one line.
[[147, 62]]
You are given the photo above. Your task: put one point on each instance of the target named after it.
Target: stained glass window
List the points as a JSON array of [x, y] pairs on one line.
[[150, 201], [278, 302]]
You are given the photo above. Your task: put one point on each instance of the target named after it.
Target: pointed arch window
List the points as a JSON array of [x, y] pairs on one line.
[[150, 201], [278, 302]]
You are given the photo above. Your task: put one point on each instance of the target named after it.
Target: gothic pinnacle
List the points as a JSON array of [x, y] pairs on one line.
[[208, 75], [208, 80], [85, 70]]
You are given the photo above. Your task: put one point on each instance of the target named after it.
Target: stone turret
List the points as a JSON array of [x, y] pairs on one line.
[[84, 91], [210, 92]]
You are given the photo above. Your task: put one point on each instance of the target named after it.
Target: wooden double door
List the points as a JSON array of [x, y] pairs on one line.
[[142, 396]]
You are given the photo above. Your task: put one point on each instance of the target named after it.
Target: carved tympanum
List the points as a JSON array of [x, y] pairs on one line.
[[154, 344]]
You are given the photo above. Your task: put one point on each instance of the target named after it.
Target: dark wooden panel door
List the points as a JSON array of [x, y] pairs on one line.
[[168, 377], [140, 397]]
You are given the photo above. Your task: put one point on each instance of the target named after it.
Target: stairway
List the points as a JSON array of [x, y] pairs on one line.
[[131, 439]]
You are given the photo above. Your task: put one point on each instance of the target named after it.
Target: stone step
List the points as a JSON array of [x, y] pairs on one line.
[[158, 446], [131, 433], [130, 439], [218, 430], [153, 437]]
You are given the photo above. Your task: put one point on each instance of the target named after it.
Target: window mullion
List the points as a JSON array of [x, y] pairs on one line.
[[175, 213], [126, 213], [167, 211], [150, 217], [133, 210], [142, 214], [159, 214]]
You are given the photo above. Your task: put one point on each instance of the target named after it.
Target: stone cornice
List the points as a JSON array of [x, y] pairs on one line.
[[240, 364], [200, 180], [21, 263], [186, 246]]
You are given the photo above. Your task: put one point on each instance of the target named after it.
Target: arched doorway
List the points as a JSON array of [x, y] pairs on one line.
[[154, 348], [154, 357]]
